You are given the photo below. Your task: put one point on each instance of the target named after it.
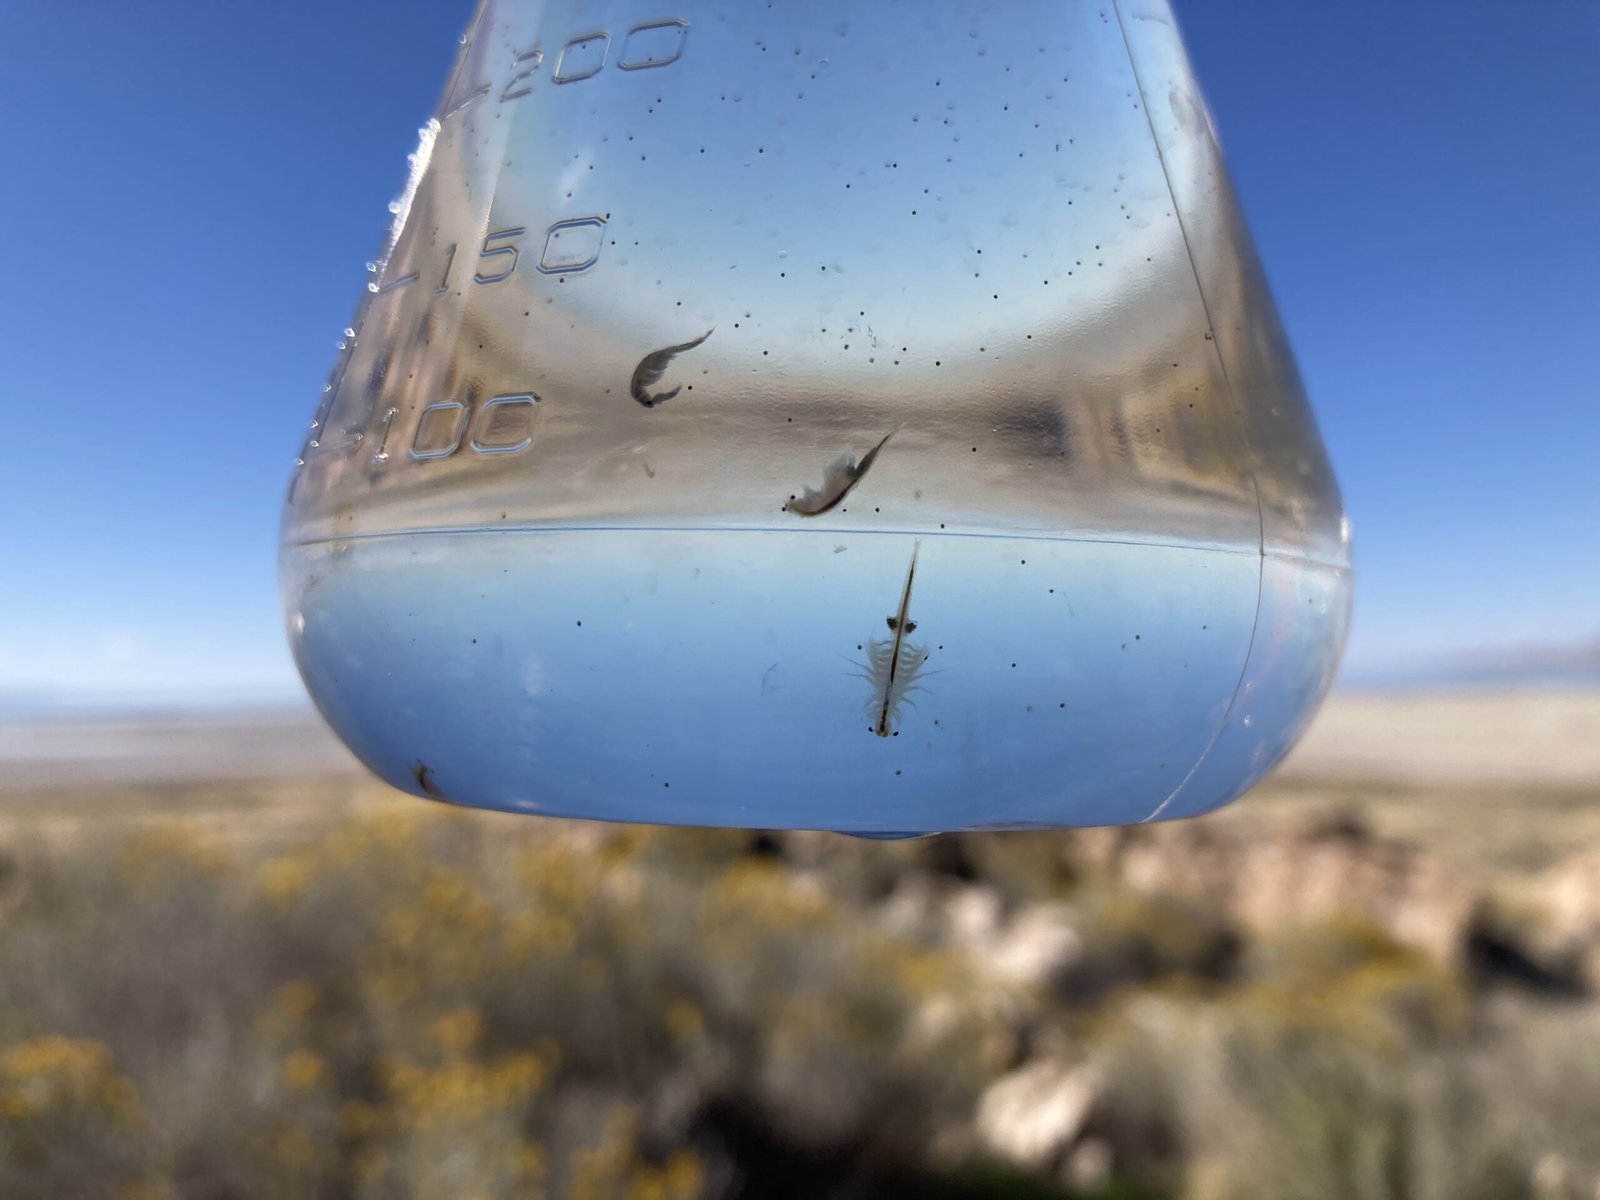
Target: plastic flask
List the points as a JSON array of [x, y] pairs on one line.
[[858, 417]]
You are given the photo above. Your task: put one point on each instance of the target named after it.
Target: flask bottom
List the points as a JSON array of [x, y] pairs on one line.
[[770, 678]]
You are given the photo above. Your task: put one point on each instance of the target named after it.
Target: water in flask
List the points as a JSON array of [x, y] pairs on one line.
[[868, 418]]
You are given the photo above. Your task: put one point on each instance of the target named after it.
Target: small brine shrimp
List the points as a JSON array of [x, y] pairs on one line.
[[653, 366], [842, 474]]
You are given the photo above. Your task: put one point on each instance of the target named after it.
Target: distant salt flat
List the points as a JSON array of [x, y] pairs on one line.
[[1538, 738], [62, 753]]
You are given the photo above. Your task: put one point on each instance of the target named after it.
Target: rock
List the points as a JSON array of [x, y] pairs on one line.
[[1265, 879], [1089, 1165], [910, 909], [1038, 946], [1034, 1115], [1320, 874], [972, 915], [1568, 897], [1551, 1178]]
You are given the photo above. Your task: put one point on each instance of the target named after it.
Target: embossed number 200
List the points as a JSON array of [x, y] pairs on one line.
[[648, 44]]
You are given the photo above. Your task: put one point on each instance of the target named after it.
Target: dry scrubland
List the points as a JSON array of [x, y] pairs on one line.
[[1376, 977]]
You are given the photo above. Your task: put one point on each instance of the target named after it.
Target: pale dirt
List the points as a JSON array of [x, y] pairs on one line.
[[1479, 737], [1498, 784]]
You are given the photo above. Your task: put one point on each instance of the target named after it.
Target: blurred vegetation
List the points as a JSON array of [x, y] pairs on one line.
[[426, 1004]]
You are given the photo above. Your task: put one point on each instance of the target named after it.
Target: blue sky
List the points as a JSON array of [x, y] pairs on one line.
[[191, 191]]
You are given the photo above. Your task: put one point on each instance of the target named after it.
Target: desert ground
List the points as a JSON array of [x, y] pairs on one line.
[[233, 964]]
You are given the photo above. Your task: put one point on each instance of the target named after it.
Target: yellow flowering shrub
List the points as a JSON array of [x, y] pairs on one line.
[[427, 1003], [69, 1120]]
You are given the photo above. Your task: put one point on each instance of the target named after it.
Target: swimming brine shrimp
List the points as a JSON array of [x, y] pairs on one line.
[[893, 663]]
